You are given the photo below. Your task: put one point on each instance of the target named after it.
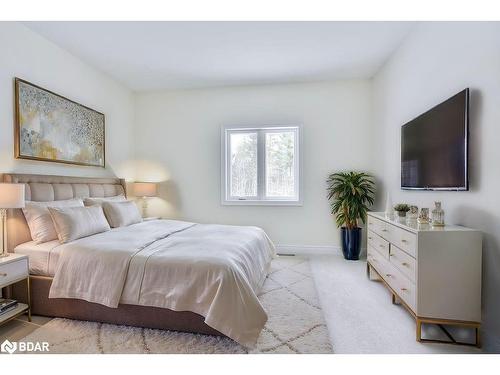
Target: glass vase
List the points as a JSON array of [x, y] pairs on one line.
[[437, 215]]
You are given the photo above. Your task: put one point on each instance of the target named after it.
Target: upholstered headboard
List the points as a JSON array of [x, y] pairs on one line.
[[45, 188]]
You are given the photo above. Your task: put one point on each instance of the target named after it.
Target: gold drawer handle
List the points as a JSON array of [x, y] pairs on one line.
[[3, 274], [404, 241], [405, 264], [404, 289]]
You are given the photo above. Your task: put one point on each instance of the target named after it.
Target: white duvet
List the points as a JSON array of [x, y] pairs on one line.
[[212, 270]]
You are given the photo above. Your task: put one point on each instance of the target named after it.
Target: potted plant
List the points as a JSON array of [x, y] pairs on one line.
[[349, 194], [402, 209]]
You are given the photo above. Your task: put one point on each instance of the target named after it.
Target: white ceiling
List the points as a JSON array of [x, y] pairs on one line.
[[167, 55]]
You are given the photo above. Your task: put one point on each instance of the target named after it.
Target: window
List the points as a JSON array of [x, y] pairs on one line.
[[261, 165]]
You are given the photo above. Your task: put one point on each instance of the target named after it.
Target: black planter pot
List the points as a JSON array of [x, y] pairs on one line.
[[351, 243]]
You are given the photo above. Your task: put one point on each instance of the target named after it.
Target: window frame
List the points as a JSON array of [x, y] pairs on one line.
[[260, 199]]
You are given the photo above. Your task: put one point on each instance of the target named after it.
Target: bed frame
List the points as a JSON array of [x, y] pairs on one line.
[[43, 188]]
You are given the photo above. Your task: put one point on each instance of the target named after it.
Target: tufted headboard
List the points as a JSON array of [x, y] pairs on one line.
[[45, 188]]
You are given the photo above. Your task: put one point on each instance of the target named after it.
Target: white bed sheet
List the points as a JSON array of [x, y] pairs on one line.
[[213, 270], [43, 257]]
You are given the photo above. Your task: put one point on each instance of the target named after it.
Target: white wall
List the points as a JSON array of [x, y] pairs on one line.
[[27, 55], [436, 61], [180, 132]]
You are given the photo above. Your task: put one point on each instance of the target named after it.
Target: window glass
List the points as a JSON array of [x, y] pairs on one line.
[[280, 164], [243, 164]]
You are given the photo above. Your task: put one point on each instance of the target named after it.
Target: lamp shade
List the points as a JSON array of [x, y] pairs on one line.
[[144, 189], [11, 195]]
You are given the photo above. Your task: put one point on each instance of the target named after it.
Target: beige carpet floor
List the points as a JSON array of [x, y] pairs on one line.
[[295, 325]]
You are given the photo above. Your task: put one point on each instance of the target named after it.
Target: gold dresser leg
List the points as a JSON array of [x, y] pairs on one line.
[[419, 330], [395, 299], [441, 324]]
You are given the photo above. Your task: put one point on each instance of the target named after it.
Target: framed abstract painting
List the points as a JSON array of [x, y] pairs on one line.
[[50, 127]]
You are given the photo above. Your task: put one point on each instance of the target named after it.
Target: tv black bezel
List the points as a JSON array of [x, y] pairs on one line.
[[466, 161]]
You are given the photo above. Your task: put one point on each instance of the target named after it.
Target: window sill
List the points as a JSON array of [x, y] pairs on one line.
[[260, 203]]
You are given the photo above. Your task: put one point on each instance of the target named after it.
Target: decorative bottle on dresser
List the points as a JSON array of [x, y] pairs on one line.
[[437, 215]]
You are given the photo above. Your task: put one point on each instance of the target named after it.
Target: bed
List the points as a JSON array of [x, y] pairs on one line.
[[163, 274]]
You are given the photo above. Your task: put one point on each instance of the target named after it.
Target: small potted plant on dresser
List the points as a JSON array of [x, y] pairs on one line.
[[350, 194], [402, 209]]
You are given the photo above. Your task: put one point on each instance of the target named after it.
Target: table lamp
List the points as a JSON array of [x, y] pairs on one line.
[[144, 190], [11, 196]]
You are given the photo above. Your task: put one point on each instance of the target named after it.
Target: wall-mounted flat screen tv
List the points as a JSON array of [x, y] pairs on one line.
[[434, 152]]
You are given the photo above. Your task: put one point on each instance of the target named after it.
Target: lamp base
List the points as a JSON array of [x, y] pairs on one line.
[[3, 218], [144, 207]]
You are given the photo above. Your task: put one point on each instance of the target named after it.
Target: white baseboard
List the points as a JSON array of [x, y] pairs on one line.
[[307, 250], [311, 250]]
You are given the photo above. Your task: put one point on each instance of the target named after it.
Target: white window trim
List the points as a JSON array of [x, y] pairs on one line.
[[224, 187]]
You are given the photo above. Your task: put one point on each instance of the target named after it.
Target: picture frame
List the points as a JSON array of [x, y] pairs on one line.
[[50, 127]]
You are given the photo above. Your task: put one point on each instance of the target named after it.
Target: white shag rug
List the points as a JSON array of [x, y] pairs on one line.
[[295, 324]]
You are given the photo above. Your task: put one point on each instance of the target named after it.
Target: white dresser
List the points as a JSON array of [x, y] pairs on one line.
[[434, 272]]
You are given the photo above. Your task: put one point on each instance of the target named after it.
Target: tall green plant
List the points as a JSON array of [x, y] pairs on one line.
[[350, 194]]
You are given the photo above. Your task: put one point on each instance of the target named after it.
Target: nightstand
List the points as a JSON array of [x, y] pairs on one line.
[[13, 269]]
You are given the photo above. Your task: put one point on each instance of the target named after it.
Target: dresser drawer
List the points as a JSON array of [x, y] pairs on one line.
[[403, 287], [376, 260], [403, 262], [379, 227], [379, 244], [405, 240], [407, 292], [13, 271]]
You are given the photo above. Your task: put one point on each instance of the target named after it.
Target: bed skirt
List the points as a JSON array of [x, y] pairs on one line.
[[130, 315]]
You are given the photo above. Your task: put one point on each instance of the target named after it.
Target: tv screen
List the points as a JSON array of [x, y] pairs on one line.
[[434, 147]]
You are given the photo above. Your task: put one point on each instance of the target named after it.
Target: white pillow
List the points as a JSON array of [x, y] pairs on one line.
[[100, 201], [39, 221], [121, 214], [72, 223]]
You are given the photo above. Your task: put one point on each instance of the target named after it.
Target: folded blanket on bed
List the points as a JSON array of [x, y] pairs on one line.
[[213, 270]]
